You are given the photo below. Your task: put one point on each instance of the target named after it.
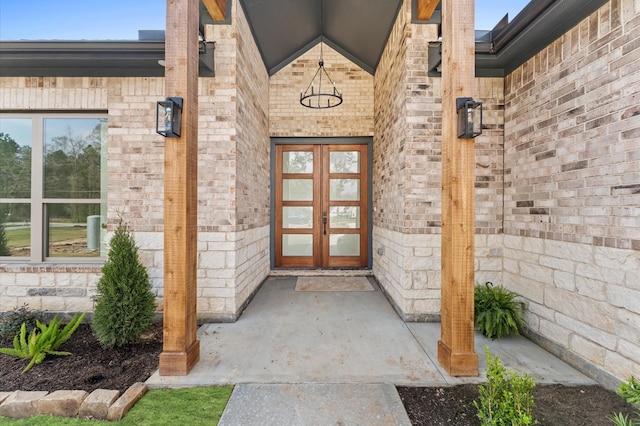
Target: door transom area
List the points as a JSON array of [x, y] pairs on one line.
[[321, 206]]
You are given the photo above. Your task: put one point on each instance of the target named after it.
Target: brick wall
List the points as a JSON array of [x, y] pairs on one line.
[[572, 138], [572, 199], [253, 166], [353, 118], [135, 153], [407, 173], [233, 191], [60, 288]]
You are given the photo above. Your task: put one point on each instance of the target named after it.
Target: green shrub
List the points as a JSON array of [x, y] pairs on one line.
[[124, 303], [630, 392], [506, 398], [4, 246], [44, 340], [496, 312], [11, 321]]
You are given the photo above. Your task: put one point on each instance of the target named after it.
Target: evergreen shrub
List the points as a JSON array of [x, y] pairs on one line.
[[124, 303], [4, 245], [11, 321]]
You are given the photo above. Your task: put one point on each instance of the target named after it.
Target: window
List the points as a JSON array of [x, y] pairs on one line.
[[52, 186]]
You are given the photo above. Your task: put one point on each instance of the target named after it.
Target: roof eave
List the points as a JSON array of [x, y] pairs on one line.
[[88, 59], [538, 27]]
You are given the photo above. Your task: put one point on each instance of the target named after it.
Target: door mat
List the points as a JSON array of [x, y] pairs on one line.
[[333, 284]]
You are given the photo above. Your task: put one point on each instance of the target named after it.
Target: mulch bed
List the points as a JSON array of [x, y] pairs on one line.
[[555, 405], [91, 367]]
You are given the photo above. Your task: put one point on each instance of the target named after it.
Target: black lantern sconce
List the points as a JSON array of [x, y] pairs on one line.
[[469, 118], [169, 117]]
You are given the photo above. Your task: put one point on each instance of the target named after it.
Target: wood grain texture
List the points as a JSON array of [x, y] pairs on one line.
[[426, 8], [216, 8], [180, 348], [456, 347]]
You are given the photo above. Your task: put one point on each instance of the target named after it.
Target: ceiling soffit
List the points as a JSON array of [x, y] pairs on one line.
[[285, 29]]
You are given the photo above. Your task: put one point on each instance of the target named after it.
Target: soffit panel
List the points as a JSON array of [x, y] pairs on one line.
[[284, 29]]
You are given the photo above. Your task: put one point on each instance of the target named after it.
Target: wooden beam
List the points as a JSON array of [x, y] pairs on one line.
[[216, 8], [456, 348], [181, 350], [426, 8]]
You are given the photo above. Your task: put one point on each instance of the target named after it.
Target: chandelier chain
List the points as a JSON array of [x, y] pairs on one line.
[[316, 100]]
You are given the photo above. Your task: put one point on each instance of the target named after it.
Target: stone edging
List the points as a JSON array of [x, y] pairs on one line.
[[100, 404]]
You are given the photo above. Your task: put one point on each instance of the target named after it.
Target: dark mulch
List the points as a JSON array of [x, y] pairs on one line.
[[89, 367], [555, 405]]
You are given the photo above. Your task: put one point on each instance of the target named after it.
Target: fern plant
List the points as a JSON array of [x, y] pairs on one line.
[[497, 313], [630, 392], [44, 340], [506, 398], [124, 303]]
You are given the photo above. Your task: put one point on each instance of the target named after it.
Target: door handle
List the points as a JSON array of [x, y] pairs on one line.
[[324, 223]]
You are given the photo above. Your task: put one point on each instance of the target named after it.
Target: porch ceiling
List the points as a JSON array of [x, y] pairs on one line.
[[284, 29]]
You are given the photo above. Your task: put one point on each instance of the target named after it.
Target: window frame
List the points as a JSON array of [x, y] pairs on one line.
[[38, 203]]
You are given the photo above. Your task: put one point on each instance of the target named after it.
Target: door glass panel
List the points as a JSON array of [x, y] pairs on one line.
[[344, 245], [297, 245], [344, 162], [297, 217], [297, 162], [344, 189], [297, 189], [344, 217]]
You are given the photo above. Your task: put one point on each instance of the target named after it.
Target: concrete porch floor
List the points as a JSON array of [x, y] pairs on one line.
[[335, 344]]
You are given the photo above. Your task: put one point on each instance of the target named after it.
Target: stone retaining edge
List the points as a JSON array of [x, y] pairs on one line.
[[100, 404]]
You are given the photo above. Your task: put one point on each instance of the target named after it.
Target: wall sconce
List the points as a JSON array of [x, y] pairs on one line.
[[469, 118], [169, 117]]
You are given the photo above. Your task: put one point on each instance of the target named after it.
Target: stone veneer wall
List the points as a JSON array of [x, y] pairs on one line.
[[407, 174], [572, 201], [353, 118], [233, 175]]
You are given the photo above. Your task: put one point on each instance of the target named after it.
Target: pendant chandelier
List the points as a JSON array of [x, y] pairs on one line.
[[313, 96]]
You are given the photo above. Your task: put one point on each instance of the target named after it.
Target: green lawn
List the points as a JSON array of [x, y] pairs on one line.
[[64, 234], [20, 237], [189, 406]]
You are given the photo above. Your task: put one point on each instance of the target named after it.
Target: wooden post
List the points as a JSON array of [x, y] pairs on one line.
[[181, 350], [456, 348]]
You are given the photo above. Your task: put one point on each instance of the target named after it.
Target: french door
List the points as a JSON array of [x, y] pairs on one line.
[[321, 206]]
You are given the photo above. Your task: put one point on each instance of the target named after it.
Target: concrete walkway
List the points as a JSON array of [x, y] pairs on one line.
[[311, 358]]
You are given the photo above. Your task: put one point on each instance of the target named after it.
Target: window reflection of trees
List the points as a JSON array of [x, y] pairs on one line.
[[298, 162], [15, 168], [72, 170], [344, 162], [15, 178]]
